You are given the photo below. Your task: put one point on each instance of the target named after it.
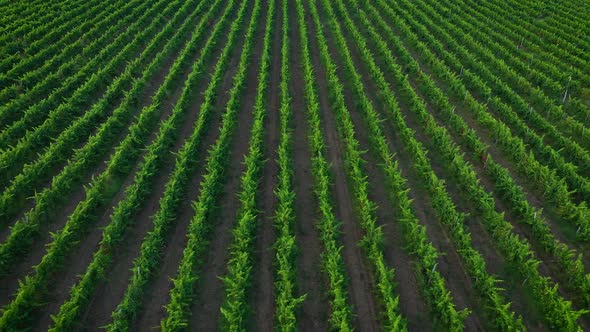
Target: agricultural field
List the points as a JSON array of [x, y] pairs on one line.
[[290, 165]]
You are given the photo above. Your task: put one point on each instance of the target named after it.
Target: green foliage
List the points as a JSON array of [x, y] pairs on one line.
[[332, 261], [37, 286], [37, 76], [60, 34], [182, 293], [72, 75], [141, 187], [50, 200], [155, 241], [557, 311], [62, 122], [285, 246], [503, 182], [373, 238], [235, 309], [553, 187]]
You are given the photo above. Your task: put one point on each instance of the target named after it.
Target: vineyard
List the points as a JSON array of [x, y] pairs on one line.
[[295, 165]]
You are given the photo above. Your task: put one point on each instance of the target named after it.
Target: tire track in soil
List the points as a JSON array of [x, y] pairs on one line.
[[262, 291], [210, 291], [314, 312], [90, 244], [359, 274], [110, 294], [56, 221], [449, 262]]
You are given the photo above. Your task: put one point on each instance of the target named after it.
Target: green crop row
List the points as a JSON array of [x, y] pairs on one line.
[[37, 84], [14, 97], [544, 178], [34, 287], [505, 83], [104, 76], [25, 16], [235, 309], [526, 30], [542, 51], [553, 34], [373, 238], [504, 184], [71, 32], [182, 293], [521, 33], [50, 199], [27, 181], [18, 15], [285, 246], [545, 74], [486, 284], [340, 317], [127, 152], [15, 42], [557, 312], [147, 263]]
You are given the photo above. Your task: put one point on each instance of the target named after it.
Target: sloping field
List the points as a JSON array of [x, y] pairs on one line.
[[294, 165]]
